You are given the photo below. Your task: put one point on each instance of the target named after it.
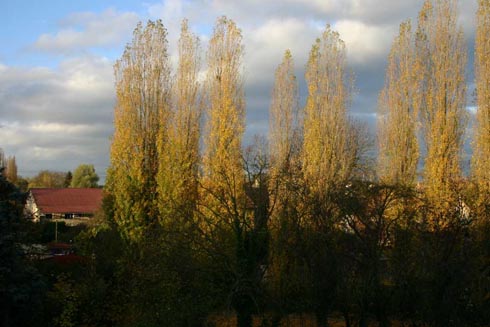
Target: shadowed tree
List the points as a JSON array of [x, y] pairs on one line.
[[68, 178], [140, 117], [21, 286], [224, 208], [177, 178], [397, 138], [284, 145], [284, 112], [329, 155], [3, 161]]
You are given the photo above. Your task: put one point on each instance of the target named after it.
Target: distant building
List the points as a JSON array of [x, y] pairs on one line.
[[73, 205]]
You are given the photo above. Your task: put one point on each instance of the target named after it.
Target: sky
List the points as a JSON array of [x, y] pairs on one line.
[[56, 62]]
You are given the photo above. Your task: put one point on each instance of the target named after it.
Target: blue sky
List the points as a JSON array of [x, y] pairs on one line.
[[56, 82]]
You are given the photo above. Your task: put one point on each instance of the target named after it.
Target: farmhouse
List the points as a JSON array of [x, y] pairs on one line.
[[74, 205]]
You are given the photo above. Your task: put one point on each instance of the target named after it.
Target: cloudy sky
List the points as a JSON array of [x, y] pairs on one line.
[[56, 58]]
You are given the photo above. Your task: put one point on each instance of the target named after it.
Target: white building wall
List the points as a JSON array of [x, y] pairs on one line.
[[31, 211]]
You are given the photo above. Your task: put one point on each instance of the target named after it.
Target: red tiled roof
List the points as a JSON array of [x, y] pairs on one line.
[[68, 200], [67, 259]]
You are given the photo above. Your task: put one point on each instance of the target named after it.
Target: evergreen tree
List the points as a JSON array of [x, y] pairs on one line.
[[68, 178], [20, 284]]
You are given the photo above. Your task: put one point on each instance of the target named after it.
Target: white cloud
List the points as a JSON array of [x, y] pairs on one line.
[[65, 129], [57, 118], [78, 90], [167, 10], [55, 146], [364, 42], [86, 30], [265, 46]]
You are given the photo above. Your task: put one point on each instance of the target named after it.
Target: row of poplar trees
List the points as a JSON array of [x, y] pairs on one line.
[[425, 90], [280, 213]]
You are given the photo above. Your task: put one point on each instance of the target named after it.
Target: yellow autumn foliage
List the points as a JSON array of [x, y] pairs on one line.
[[178, 145], [223, 175], [142, 92], [481, 141], [441, 61], [329, 153], [397, 119]]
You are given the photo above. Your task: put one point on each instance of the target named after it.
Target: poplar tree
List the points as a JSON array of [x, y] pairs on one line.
[[142, 78], [222, 166], [441, 61], [397, 138], [329, 152], [231, 224], [11, 170], [329, 156], [481, 143], [284, 182], [284, 111], [284, 134], [179, 144]]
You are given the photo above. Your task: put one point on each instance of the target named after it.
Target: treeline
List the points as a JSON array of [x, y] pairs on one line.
[[194, 226], [83, 176]]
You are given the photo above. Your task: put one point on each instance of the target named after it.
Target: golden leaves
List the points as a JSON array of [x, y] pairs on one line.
[[226, 105], [327, 156], [178, 145], [142, 104], [397, 119], [481, 141], [441, 57]]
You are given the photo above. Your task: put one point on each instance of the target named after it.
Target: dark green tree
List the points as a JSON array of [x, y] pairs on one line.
[[68, 179], [20, 284]]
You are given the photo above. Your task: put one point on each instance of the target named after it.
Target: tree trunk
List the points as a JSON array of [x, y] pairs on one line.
[[321, 319], [5, 318], [384, 321], [363, 320], [276, 320], [346, 318], [243, 318]]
